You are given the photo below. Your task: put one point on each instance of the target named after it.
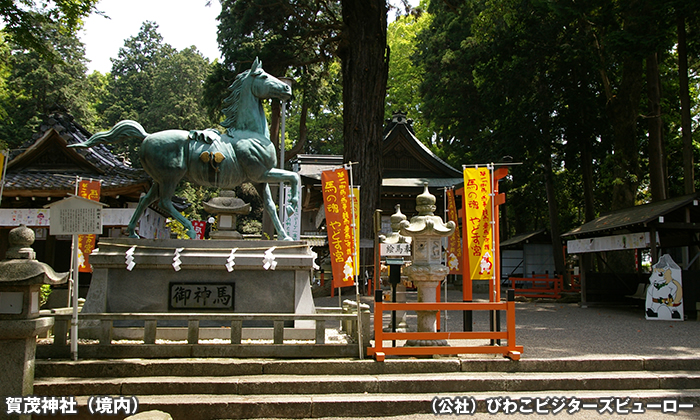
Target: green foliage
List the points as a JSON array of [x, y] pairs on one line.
[[546, 82], [284, 34], [178, 91], [96, 91], [319, 101], [5, 72], [195, 195], [292, 38], [156, 85], [44, 294], [26, 20], [36, 85], [250, 227], [405, 76]]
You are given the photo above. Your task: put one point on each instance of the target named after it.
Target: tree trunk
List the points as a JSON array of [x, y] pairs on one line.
[[303, 130], [623, 111], [363, 52], [686, 129], [657, 171], [275, 119], [587, 175], [557, 250]]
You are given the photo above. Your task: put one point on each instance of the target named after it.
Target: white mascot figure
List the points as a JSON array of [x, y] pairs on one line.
[[665, 292]]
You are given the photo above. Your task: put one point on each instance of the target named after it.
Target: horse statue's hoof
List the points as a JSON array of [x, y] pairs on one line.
[[134, 235], [290, 210], [192, 234]]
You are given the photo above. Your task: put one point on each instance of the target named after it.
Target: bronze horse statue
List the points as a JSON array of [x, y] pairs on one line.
[[244, 153]]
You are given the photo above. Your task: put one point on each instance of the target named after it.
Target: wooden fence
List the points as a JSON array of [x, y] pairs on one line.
[[538, 286]]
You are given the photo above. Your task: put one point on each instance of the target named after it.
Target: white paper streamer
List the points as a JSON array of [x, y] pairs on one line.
[[176, 259], [230, 260], [130, 258], [269, 262], [313, 260]]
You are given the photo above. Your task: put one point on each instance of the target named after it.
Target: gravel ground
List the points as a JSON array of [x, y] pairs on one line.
[[549, 329]]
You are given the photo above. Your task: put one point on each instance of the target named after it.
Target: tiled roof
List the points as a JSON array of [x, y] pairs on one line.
[[45, 163], [636, 218], [405, 156]]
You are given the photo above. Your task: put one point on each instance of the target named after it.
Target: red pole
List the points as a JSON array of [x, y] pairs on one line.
[[499, 174], [466, 273]]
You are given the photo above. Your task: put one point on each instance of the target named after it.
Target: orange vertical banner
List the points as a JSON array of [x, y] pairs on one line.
[[341, 238], [86, 243], [478, 218], [454, 242]]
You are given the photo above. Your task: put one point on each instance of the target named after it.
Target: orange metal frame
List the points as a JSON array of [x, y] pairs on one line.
[[545, 287], [499, 199], [510, 351]]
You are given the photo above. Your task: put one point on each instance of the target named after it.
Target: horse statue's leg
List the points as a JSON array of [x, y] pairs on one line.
[[145, 201], [279, 175], [167, 191]]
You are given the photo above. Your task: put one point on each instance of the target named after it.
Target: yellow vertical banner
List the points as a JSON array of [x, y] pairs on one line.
[[4, 157], [454, 242], [2, 165], [478, 215], [341, 241], [356, 202], [86, 243]]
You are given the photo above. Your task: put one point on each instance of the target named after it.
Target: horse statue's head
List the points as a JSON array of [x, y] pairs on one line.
[[243, 106]]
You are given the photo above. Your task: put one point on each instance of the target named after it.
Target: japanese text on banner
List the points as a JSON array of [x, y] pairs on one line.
[[356, 202], [341, 238], [454, 242], [86, 243], [478, 214]]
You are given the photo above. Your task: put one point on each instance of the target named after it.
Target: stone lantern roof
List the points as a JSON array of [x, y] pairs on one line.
[[20, 265], [426, 223]]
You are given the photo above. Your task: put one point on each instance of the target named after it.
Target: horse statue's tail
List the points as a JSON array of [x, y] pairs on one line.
[[123, 130]]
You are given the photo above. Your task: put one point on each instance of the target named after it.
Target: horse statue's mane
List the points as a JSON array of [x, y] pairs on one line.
[[232, 101]]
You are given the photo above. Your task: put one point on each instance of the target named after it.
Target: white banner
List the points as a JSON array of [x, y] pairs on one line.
[[41, 217], [609, 243], [292, 224]]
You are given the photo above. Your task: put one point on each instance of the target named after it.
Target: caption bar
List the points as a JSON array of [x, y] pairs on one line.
[[554, 405], [49, 406]]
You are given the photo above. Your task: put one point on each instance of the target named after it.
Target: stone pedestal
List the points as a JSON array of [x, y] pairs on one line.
[[427, 270], [17, 349], [426, 278], [21, 277], [152, 282], [226, 228]]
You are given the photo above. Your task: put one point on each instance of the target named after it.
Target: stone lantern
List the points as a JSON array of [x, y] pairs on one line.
[[394, 266], [21, 277], [427, 270], [228, 207]]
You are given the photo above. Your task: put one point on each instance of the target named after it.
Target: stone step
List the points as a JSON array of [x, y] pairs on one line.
[[124, 368], [204, 407], [454, 382]]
